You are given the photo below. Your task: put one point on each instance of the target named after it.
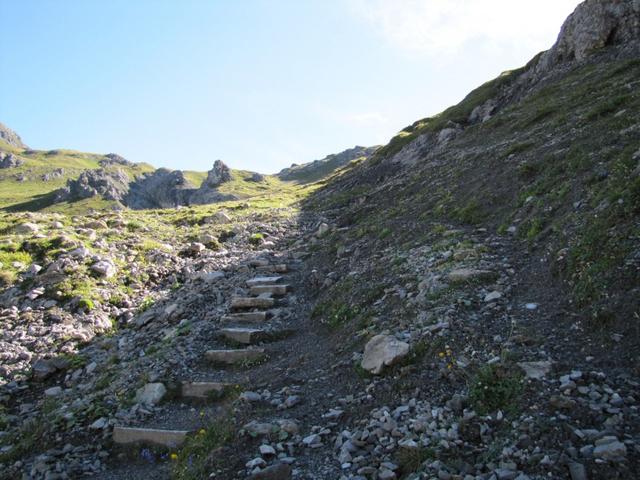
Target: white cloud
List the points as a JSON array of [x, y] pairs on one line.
[[444, 26]]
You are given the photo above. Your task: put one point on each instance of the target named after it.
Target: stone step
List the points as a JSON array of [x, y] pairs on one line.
[[246, 336], [245, 317], [263, 281], [272, 289], [279, 268], [232, 357], [166, 438], [259, 262], [252, 302], [204, 389]]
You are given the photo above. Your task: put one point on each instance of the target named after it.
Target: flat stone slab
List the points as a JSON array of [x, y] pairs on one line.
[[252, 302], [272, 289], [203, 389], [232, 357], [246, 336], [246, 317], [279, 268], [166, 438], [471, 275], [263, 281]]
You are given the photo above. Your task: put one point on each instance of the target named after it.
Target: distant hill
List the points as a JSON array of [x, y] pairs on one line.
[[318, 169]]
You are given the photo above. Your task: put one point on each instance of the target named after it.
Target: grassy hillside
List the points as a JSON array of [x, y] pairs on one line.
[[26, 184], [558, 169]]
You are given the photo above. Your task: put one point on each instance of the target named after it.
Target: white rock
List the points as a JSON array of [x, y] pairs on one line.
[[490, 297], [536, 370], [151, 393], [104, 268], [383, 350]]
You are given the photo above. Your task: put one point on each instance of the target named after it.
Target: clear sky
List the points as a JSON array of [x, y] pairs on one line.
[[259, 84]]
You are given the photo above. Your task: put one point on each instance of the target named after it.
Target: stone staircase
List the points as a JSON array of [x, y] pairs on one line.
[[245, 326]]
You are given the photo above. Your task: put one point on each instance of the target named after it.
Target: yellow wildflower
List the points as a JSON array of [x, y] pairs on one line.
[[174, 456]]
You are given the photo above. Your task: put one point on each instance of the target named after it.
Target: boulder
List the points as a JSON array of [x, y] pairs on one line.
[[381, 351]]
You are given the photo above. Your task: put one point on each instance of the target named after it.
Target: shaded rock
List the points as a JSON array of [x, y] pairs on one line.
[[281, 471]]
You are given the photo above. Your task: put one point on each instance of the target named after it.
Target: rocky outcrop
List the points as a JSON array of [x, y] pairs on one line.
[[9, 160], [10, 137], [111, 185], [313, 171], [161, 189], [594, 25], [218, 175]]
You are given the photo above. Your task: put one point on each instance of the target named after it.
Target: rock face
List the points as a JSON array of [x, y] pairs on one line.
[[595, 24], [9, 160], [11, 137], [310, 172], [111, 185], [208, 191], [381, 351]]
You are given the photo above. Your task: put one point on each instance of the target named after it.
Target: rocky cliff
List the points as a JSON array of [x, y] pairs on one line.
[[10, 137]]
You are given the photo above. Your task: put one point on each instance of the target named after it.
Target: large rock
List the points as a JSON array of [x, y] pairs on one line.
[[218, 175], [161, 189], [381, 351], [110, 185]]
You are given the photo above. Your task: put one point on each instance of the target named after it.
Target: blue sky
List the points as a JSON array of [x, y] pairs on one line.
[[259, 84]]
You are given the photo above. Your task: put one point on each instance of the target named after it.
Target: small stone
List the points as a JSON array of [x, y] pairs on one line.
[[151, 393], [536, 370], [492, 296], [53, 391], [609, 448], [267, 450]]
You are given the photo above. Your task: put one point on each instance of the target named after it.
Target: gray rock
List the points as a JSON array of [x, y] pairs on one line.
[[280, 471], [151, 393], [609, 448], [381, 351]]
